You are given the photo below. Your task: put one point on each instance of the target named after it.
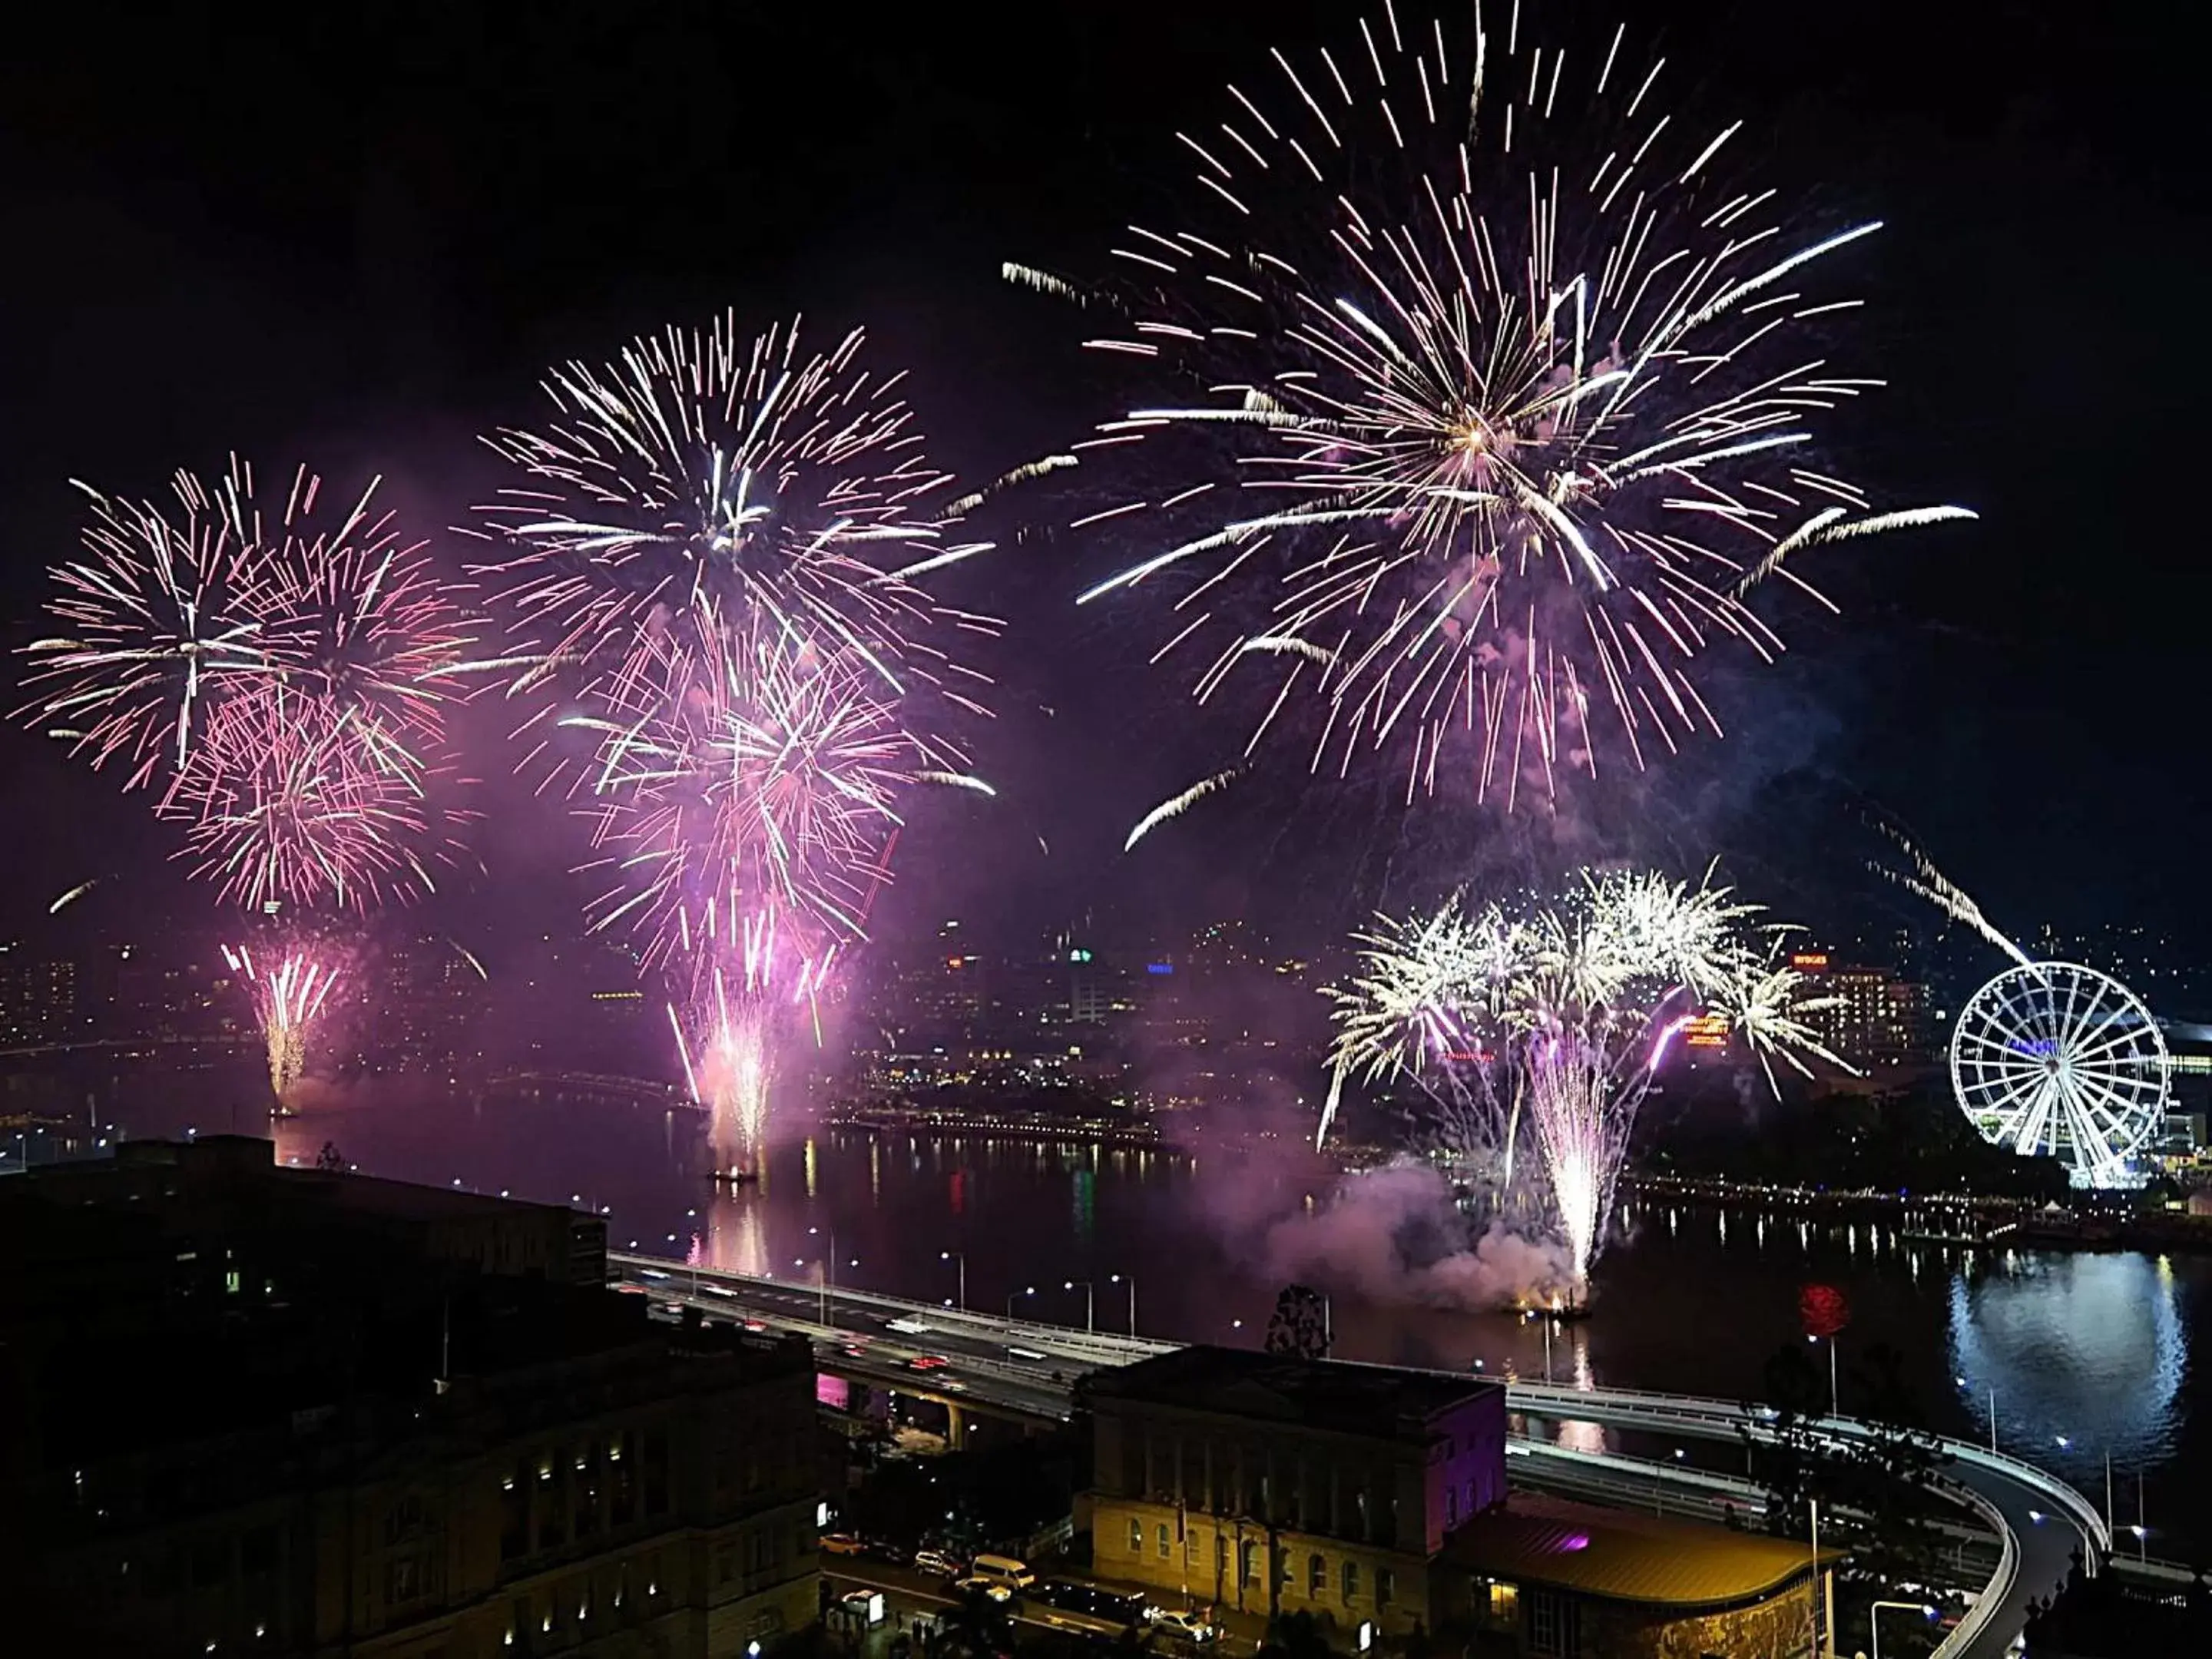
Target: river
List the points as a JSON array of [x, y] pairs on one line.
[[2087, 1356]]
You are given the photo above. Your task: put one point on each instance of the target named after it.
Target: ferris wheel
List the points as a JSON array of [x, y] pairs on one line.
[[2058, 1059]]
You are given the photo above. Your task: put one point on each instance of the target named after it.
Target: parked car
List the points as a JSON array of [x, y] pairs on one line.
[[840, 1543], [939, 1563], [997, 1588]]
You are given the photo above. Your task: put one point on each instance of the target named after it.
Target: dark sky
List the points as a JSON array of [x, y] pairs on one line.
[[355, 234]]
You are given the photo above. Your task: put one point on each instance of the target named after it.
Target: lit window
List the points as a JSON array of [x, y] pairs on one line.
[[1136, 1536], [1351, 1582], [1164, 1540]]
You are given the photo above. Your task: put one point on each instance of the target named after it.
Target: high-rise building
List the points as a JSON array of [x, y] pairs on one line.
[[1871, 1018], [38, 997]]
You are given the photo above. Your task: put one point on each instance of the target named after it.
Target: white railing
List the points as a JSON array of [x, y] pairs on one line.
[[1628, 1402], [1971, 1629]]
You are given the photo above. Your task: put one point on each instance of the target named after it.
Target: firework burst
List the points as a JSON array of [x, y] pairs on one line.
[[277, 670], [1519, 387], [717, 547], [1562, 1015], [704, 482]]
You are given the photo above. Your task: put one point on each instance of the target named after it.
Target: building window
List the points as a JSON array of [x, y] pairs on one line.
[[1451, 1508], [1247, 1567], [1317, 1577], [1554, 1624], [1386, 1586], [1164, 1541], [1350, 1583], [1504, 1603], [1136, 1536]]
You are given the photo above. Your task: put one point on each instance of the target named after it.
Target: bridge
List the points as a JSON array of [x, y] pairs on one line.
[[1024, 1371]]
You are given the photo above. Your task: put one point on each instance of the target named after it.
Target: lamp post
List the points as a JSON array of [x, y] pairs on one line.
[[1832, 1372], [1090, 1301], [821, 1289], [1115, 1279], [1993, 1415], [1874, 1618], [959, 1256], [1027, 1290]]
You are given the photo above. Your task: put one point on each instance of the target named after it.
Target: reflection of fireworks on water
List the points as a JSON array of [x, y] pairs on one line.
[[735, 1237], [289, 993], [1511, 393], [1563, 1015]]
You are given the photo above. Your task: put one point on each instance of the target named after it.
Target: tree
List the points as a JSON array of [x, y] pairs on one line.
[[1889, 1475], [1299, 1325]]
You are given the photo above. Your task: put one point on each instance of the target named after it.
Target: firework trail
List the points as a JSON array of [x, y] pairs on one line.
[[289, 994], [1176, 806], [1932, 885], [1563, 1014], [274, 670], [716, 549], [1512, 392]]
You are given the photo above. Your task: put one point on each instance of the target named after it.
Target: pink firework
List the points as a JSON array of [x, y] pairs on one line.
[[290, 991], [173, 612], [706, 480], [292, 799]]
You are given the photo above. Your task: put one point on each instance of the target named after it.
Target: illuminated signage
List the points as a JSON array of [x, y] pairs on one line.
[[1079, 955], [1159, 966], [1809, 961]]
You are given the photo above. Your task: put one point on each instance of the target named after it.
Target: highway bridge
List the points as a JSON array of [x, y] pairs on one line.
[[1026, 1372]]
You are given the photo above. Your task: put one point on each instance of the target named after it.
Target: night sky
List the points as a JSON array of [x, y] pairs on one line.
[[356, 234]]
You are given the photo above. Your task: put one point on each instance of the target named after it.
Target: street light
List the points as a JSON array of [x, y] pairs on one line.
[[1874, 1618], [1115, 1279], [1993, 1414], [1027, 1290], [1090, 1301], [956, 1256], [1832, 1410]]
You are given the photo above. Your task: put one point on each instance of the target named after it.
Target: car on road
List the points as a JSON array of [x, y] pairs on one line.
[[939, 1563], [854, 1350], [997, 1588], [1191, 1626], [957, 1387], [927, 1362], [840, 1543], [755, 1324]]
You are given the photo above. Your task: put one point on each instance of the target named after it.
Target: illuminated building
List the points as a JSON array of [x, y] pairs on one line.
[[1875, 1020], [38, 998], [1375, 1501], [1273, 1485], [388, 1418]]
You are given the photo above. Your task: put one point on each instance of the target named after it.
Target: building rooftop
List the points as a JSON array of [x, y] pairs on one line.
[[1363, 1400], [1620, 1556]]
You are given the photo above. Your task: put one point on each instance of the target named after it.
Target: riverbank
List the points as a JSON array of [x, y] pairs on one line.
[[1964, 1220]]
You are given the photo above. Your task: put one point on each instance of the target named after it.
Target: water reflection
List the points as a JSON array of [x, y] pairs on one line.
[[2089, 1351]]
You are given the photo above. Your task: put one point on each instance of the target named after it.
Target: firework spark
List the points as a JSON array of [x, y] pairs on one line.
[[1176, 806], [706, 481], [291, 799], [1504, 428], [172, 611], [1563, 1014], [717, 549], [1932, 885], [289, 995]]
